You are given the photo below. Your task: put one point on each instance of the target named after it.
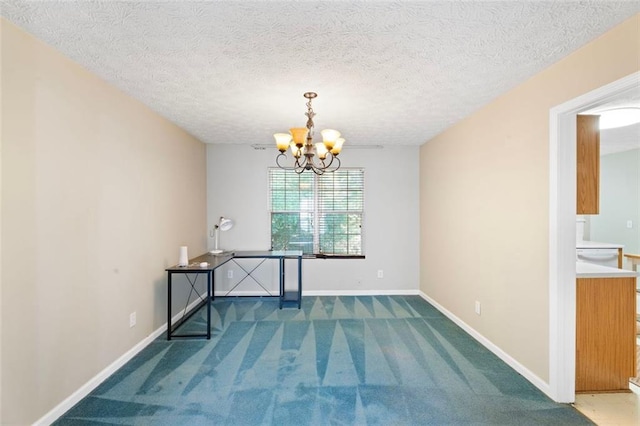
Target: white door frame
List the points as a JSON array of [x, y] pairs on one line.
[[562, 233]]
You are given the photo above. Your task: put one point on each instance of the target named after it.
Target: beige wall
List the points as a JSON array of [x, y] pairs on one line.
[[98, 193], [484, 201]]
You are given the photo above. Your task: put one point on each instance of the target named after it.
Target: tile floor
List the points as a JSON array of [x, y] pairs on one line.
[[611, 409]]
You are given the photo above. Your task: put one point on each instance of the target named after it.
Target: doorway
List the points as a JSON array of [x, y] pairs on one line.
[[562, 232]]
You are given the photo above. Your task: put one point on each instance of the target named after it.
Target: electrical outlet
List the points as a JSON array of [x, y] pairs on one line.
[[230, 273], [629, 224], [132, 319], [478, 307], [380, 273]]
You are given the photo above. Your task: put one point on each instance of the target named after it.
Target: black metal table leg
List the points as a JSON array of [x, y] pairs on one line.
[[169, 306], [281, 275], [299, 282], [209, 291]]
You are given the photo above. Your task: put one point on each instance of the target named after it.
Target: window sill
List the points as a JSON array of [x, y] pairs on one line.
[[332, 256]]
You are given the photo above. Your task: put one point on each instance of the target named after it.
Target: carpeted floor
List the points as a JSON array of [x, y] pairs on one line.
[[352, 360]]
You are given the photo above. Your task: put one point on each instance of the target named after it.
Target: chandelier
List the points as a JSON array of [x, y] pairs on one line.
[[321, 157]]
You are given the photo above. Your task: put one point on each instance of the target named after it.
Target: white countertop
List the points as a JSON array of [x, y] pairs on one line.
[[597, 245], [591, 270]]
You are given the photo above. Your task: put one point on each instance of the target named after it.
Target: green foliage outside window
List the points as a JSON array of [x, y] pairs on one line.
[[289, 231]]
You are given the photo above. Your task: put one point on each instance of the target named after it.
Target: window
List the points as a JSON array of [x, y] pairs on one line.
[[317, 214]]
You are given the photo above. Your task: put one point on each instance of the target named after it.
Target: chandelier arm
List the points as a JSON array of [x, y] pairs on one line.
[[319, 165], [337, 159], [328, 166], [300, 167], [332, 157], [322, 168], [282, 155], [297, 167]]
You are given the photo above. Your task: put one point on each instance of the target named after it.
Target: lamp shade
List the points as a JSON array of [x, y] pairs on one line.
[[321, 150], [329, 137], [337, 147], [295, 150], [282, 141], [225, 224], [299, 135]]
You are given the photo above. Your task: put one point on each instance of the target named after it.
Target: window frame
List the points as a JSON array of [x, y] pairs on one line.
[[316, 212]]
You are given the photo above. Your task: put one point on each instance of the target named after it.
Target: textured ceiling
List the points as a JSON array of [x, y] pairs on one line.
[[386, 72]]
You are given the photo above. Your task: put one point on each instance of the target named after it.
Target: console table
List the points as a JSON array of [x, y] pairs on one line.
[[213, 262]]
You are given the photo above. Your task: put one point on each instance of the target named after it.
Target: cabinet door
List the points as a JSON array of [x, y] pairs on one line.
[[605, 334], [588, 164]]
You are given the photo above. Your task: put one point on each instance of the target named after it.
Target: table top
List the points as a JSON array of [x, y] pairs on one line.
[[213, 261], [266, 253]]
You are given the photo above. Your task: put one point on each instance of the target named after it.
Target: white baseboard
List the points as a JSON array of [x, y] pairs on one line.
[[325, 293], [95, 381], [361, 293], [246, 293], [511, 362]]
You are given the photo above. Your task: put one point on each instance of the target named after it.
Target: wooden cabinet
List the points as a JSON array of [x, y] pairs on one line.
[[588, 164], [605, 334]]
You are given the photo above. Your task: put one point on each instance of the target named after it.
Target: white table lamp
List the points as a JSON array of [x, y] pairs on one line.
[[224, 224]]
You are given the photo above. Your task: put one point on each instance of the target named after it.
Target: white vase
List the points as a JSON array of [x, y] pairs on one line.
[[184, 257]]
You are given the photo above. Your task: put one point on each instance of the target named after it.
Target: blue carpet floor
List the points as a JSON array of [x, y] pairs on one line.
[[352, 360]]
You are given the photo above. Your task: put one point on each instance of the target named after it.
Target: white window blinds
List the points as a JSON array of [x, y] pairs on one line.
[[317, 214]]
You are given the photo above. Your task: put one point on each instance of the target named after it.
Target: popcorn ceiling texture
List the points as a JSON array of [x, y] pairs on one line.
[[389, 72]]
